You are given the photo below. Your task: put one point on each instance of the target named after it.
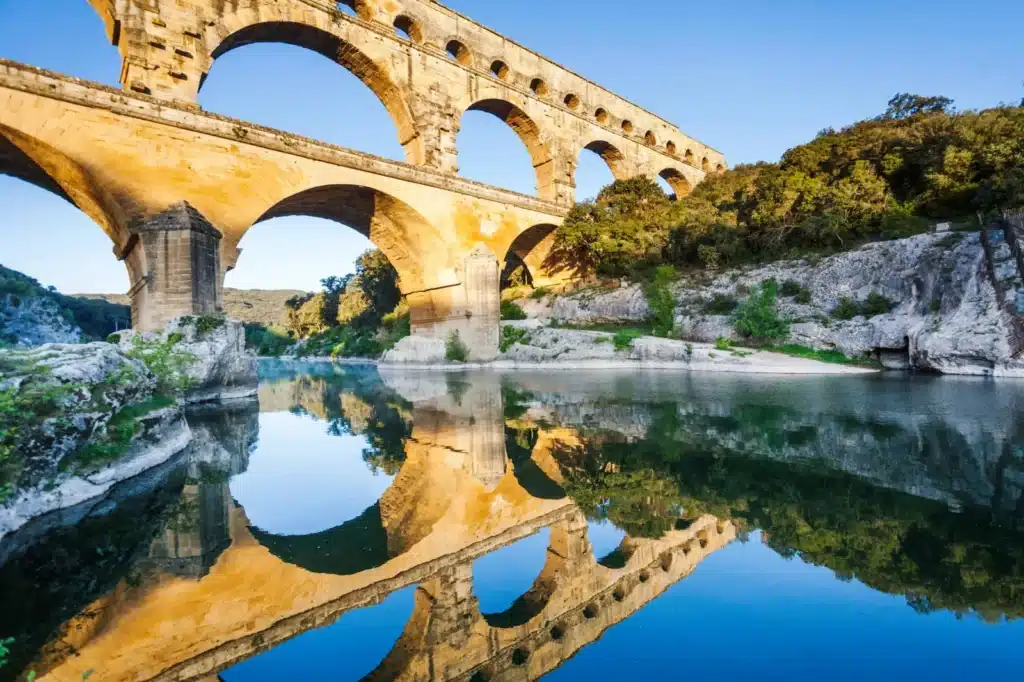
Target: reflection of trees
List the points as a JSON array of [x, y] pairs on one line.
[[966, 562]]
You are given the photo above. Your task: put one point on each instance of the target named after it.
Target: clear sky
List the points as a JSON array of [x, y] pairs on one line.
[[751, 78]]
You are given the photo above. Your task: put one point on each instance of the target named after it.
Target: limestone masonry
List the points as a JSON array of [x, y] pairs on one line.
[[171, 184]]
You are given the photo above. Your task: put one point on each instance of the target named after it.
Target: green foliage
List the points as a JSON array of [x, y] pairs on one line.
[[378, 281], [721, 304], [349, 341], [847, 309], [884, 178], [454, 349], [116, 438], [510, 310], [168, 363], [661, 301], [758, 318], [510, 336], [875, 304], [114, 339], [268, 341], [624, 339], [722, 343], [5, 650], [539, 293], [832, 356]]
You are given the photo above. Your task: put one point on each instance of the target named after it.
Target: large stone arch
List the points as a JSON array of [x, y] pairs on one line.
[[678, 181], [398, 230], [530, 134], [272, 23], [612, 156]]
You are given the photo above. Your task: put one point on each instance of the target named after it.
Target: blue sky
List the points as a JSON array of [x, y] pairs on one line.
[[749, 77]]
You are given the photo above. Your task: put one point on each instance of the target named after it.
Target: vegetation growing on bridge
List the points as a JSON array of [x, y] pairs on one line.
[[883, 178]]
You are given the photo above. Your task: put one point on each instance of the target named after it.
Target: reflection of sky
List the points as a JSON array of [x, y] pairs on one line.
[[301, 480], [748, 614], [604, 537], [500, 577], [347, 650]]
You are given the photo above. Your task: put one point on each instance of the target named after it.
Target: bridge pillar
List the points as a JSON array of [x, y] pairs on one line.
[[174, 258], [471, 308]]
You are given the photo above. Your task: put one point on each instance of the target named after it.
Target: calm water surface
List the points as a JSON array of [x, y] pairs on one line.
[[570, 526]]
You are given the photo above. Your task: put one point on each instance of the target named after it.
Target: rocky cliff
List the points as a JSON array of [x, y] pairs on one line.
[[951, 309]]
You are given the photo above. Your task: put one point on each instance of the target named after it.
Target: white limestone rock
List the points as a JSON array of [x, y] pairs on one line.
[[27, 321], [416, 350], [612, 306]]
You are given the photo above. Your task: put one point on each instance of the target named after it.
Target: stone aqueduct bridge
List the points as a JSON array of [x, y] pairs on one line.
[[221, 591], [176, 188]]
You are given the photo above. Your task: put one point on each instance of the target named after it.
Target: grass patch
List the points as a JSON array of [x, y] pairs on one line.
[[510, 336], [510, 310], [624, 339], [539, 293], [121, 429], [830, 356]]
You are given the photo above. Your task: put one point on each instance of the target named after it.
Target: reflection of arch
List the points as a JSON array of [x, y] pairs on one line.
[[337, 50], [355, 546], [397, 229], [677, 181], [612, 156], [528, 474], [531, 603], [35, 162], [529, 133], [620, 556]]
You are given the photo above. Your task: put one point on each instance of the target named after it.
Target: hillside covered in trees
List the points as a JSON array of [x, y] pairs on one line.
[[892, 176]]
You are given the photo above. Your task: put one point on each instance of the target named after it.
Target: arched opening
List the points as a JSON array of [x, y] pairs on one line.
[[491, 159], [403, 235], [500, 70], [677, 182], [610, 544], [501, 580], [572, 101], [602, 116], [51, 210], [600, 163], [316, 91], [408, 28], [650, 138], [705, 164], [670, 147], [719, 168], [359, 8], [627, 127], [539, 87], [459, 52], [526, 257], [78, 41], [688, 157]]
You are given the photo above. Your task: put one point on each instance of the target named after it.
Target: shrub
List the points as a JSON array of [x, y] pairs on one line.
[[114, 339], [168, 363], [876, 304], [455, 350], [758, 317], [624, 338], [846, 310], [510, 336], [720, 305], [722, 343], [709, 257], [660, 300], [539, 293], [510, 310]]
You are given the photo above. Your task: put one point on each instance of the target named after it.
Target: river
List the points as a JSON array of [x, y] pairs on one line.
[[357, 525]]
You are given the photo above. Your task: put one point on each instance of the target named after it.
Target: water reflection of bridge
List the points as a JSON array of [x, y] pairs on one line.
[[217, 591]]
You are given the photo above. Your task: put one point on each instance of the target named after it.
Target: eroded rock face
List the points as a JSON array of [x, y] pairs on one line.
[[27, 321], [88, 420], [416, 350], [945, 316], [223, 369]]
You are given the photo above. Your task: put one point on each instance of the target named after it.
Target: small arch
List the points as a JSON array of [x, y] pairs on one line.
[[591, 610], [601, 115], [705, 164], [719, 168], [529, 133], [557, 633], [572, 101], [520, 656], [644, 576], [670, 147], [500, 70], [677, 181], [619, 594], [408, 28], [539, 87], [459, 52], [627, 126], [360, 8], [665, 561], [615, 159], [688, 157], [650, 138]]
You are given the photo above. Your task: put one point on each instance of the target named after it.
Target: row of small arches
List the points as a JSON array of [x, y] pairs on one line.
[[409, 29]]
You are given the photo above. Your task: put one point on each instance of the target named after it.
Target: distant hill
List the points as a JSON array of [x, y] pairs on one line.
[[31, 314], [262, 306]]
